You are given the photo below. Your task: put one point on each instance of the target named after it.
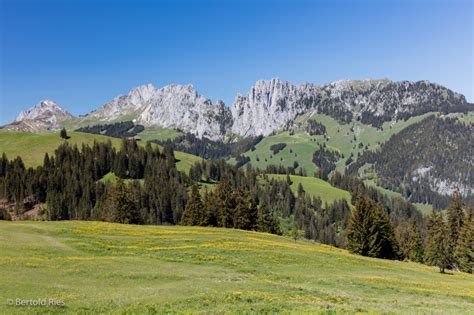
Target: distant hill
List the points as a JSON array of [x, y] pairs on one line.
[[430, 158], [32, 147]]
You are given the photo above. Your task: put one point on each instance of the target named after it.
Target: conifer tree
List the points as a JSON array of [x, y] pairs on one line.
[[210, 209], [124, 209], [300, 191], [465, 246], [370, 232], [63, 134], [121, 164], [266, 222], [382, 237], [455, 221], [437, 243], [225, 201], [194, 211], [245, 213], [358, 237], [414, 245]]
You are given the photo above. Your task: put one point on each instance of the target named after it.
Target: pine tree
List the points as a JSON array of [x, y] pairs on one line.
[[465, 246], [300, 191], [225, 201], [124, 209], [63, 134], [194, 210], [210, 209], [382, 237], [414, 246], [437, 244], [455, 221], [266, 222], [370, 232], [195, 172], [3, 165], [245, 213], [121, 165], [359, 226]]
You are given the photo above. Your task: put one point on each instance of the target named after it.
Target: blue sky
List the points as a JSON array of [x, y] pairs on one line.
[[83, 53]]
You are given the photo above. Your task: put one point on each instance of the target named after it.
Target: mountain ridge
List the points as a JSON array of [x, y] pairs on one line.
[[268, 106]]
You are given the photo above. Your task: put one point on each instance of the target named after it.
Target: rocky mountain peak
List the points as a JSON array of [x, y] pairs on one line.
[[46, 110], [273, 104], [46, 115]]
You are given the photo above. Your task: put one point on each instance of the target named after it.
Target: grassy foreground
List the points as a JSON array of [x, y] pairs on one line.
[[100, 267]]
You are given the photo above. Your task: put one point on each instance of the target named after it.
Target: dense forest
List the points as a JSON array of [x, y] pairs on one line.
[[210, 149], [125, 129], [419, 159], [150, 190]]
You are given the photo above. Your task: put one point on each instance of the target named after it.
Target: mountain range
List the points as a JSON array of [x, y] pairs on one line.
[[412, 138], [270, 105]]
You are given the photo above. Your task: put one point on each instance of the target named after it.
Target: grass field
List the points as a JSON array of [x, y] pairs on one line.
[[316, 187], [32, 147], [109, 268], [157, 133]]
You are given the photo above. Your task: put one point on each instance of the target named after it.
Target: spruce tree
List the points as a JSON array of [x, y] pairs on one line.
[[382, 237], [194, 211], [360, 224], [465, 246], [210, 209], [437, 243], [266, 222], [414, 245], [245, 213], [124, 208], [455, 221], [370, 232], [225, 201], [63, 134]]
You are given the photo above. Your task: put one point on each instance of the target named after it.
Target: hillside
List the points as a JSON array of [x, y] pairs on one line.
[[427, 160], [345, 139], [316, 187], [101, 267], [32, 147]]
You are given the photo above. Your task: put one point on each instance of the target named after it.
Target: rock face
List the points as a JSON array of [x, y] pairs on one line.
[[46, 115], [173, 106], [268, 106], [273, 104]]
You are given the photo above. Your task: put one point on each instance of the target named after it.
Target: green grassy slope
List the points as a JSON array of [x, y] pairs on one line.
[[316, 187], [157, 133], [32, 147], [341, 139], [100, 267]]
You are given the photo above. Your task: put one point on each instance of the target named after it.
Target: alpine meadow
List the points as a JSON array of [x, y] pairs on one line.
[[303, 194]]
